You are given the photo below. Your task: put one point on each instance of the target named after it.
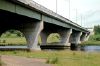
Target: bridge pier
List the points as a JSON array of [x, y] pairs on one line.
[[75, 39], [87, 36], [65, 35], [83, 37], [32, 32], [44, 35], [64, 39]]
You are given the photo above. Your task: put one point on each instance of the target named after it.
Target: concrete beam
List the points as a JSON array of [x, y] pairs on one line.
[[32, 32], [31, 9]]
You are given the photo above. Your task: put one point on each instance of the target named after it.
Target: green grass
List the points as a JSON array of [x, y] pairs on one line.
[[20, 40], [58, 58], [97, 43], [64, 58]]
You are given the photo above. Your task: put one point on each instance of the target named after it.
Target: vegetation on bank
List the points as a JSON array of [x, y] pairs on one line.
[[13, 41], [14, 37], [94, 39], [58, 58], [61, 58]]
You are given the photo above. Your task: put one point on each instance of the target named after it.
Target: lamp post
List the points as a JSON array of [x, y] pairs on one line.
[[81, 19], [56, 6], [76, 15], [69, 9]]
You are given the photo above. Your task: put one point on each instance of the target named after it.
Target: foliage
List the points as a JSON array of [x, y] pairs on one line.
[[52, 60], [12, 34], [97, 43], [53, 38], [63, 58], [13, 41], [97, 29], [94, 37], [93, 40]]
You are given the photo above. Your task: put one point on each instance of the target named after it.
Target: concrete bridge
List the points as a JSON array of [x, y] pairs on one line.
[[33, 20]]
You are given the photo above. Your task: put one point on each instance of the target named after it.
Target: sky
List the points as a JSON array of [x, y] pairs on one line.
[[83, 12]]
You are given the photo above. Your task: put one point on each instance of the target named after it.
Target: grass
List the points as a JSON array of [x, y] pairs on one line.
[[13, 41], [22, 40], [52, 60], [97, 43], [58, 58], [61, 58]]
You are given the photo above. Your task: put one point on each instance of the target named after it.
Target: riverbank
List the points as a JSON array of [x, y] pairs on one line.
[[93, 40], [63, 58], [90, 43]]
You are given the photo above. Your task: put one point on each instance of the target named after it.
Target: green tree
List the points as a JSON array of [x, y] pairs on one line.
[[97, 29]]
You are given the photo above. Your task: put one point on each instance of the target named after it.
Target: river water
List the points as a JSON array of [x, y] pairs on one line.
[[91, 48], [13, 47], [84, 48]]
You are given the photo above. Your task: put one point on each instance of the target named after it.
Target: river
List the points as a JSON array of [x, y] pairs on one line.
[[84, 48], [91, 48]]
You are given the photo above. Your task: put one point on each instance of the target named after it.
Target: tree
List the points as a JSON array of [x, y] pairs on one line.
[[97, 29]]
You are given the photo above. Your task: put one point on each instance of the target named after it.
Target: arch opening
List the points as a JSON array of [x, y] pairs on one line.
[[53, 38], [39, 40], [13, 38]]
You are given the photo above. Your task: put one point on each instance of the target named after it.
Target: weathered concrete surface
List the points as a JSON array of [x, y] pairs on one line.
[[44, 35], [32, 9], [33, 20], [83, 37], [65, 35], [32, 33], [22, 61], [75, 39]]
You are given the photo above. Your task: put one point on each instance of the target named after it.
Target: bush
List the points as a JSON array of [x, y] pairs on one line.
[[95, 38], [97, 29], [52, 60]]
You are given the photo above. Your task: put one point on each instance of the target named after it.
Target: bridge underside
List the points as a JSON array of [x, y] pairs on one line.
[[32, 28], [11, 20]]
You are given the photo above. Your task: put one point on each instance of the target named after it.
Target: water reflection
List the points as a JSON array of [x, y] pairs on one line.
[[91, 48], [83, 48], [13, 47]]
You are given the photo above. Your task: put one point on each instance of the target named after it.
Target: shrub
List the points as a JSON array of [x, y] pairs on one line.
[[52, 60], [95, 37], [97, 29]]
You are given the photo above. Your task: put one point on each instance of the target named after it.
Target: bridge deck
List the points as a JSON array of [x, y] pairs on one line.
[[35, 6]]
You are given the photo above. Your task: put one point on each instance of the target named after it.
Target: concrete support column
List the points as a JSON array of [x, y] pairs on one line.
[[44, 35], [65, 35], [87, 36], [83, 37], [75, 39], [32, 32]]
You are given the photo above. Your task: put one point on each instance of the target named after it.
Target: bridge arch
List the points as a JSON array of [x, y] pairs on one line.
[[12, 37], [53, 38]]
